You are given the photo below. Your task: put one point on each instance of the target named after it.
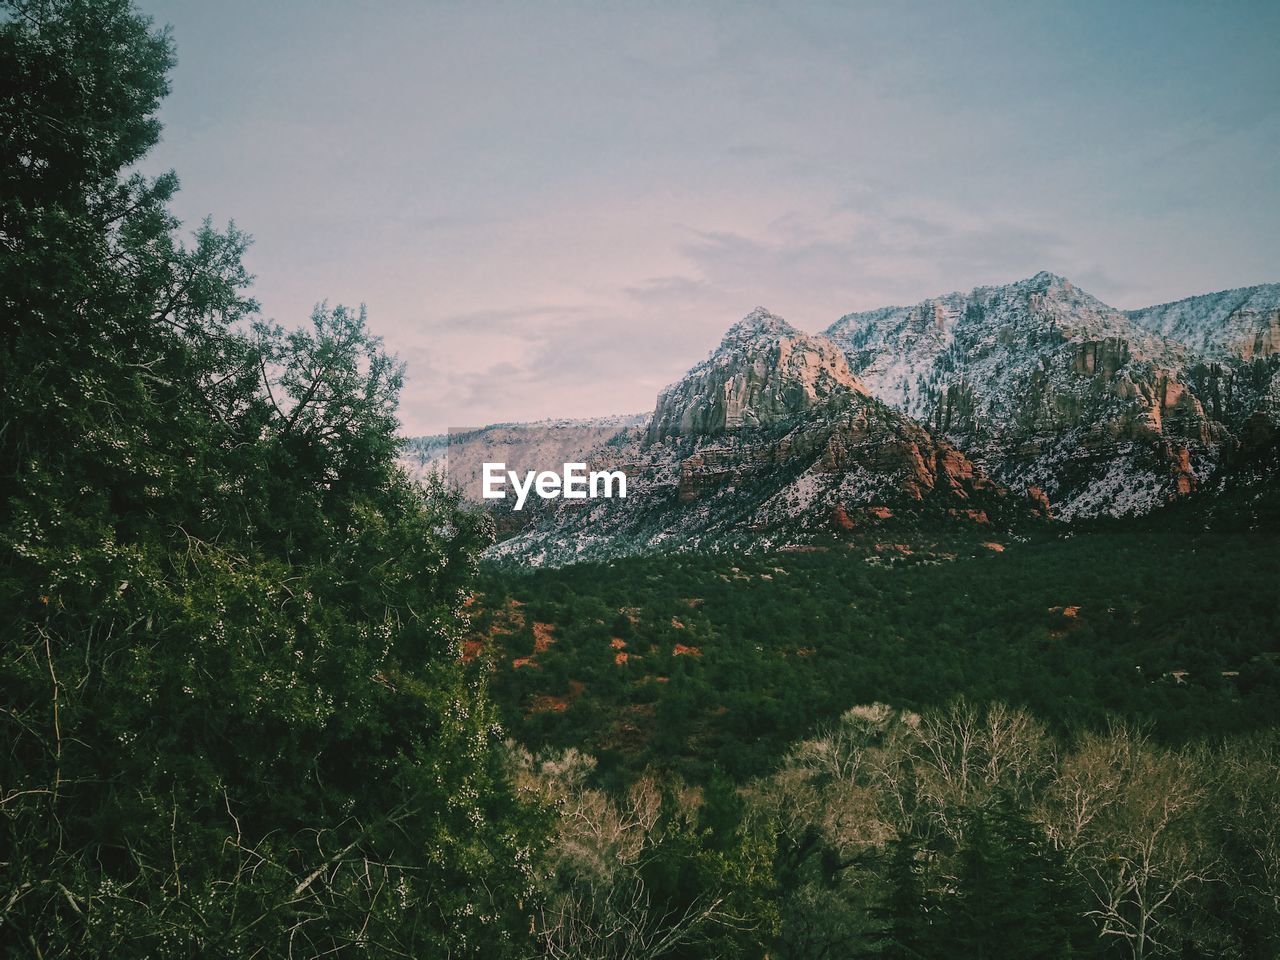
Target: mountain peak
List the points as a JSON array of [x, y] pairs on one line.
[[1047, 279], [1042, 282], [763, 372], [757, 323]]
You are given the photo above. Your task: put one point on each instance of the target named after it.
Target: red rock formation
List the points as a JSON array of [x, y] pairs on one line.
[[1184, 476], [1101, 358], [1040, 499]]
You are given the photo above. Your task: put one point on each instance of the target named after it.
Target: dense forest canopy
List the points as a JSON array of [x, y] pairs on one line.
[[702, 663]]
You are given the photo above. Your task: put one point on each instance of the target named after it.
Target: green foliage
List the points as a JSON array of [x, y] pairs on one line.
[[1163, 622], [1010, 879], [235, 722]]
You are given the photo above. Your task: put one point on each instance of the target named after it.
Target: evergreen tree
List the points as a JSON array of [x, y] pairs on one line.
[[1011, 897], [905, 913], [235, 719]]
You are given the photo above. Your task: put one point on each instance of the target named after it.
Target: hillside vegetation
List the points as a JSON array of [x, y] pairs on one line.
[[697, 663]]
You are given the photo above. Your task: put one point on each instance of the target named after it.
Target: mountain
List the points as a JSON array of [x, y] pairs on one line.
[[1044, 385], [1237, 333], [460, 453], [764, 371], [770, 443], [1242, 323], [911, 429]]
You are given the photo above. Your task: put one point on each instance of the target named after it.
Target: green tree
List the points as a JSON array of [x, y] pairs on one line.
[[235, 719], [905, 912], [1011, 894]]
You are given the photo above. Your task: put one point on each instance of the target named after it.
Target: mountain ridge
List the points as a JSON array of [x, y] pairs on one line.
[[981, 408]]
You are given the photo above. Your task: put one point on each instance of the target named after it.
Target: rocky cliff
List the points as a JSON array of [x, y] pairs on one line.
[[764, 372], [1046, 386], [773, 443], [913, 425]]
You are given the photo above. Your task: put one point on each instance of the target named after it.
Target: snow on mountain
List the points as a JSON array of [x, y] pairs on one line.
[[530, 445], [1242, 323], [1044, 385], [764, 370], [770, 442], [977, 408]]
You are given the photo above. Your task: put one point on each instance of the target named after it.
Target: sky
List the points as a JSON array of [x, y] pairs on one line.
[[555, 209]]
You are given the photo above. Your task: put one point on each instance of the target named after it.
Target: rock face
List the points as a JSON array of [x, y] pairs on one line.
[[1237, 334], [765, 371], [771, 442], [1044, 386], [1243, 323]]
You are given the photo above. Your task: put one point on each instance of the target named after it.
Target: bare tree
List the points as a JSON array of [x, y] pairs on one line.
[[1130, 817]]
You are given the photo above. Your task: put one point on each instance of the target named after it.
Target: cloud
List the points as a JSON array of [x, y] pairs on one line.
[[555, 211], [511, 321]]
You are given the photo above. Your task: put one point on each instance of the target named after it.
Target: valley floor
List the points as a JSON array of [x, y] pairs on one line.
[[700, 664]]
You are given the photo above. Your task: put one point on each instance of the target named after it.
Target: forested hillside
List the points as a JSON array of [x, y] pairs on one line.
[[1079, 761], [704, 664]]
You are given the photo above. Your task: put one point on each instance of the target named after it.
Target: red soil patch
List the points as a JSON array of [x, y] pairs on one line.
[[1067, 613], [682, 651], [840, 519], [620, 658], [995, 547], [542, 637], [694, 602], [471, 650], [806, 651], [618, 643], [677, 624], [508, 620], [977, 516], [880, 513], [519, 662], [545, 703]]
